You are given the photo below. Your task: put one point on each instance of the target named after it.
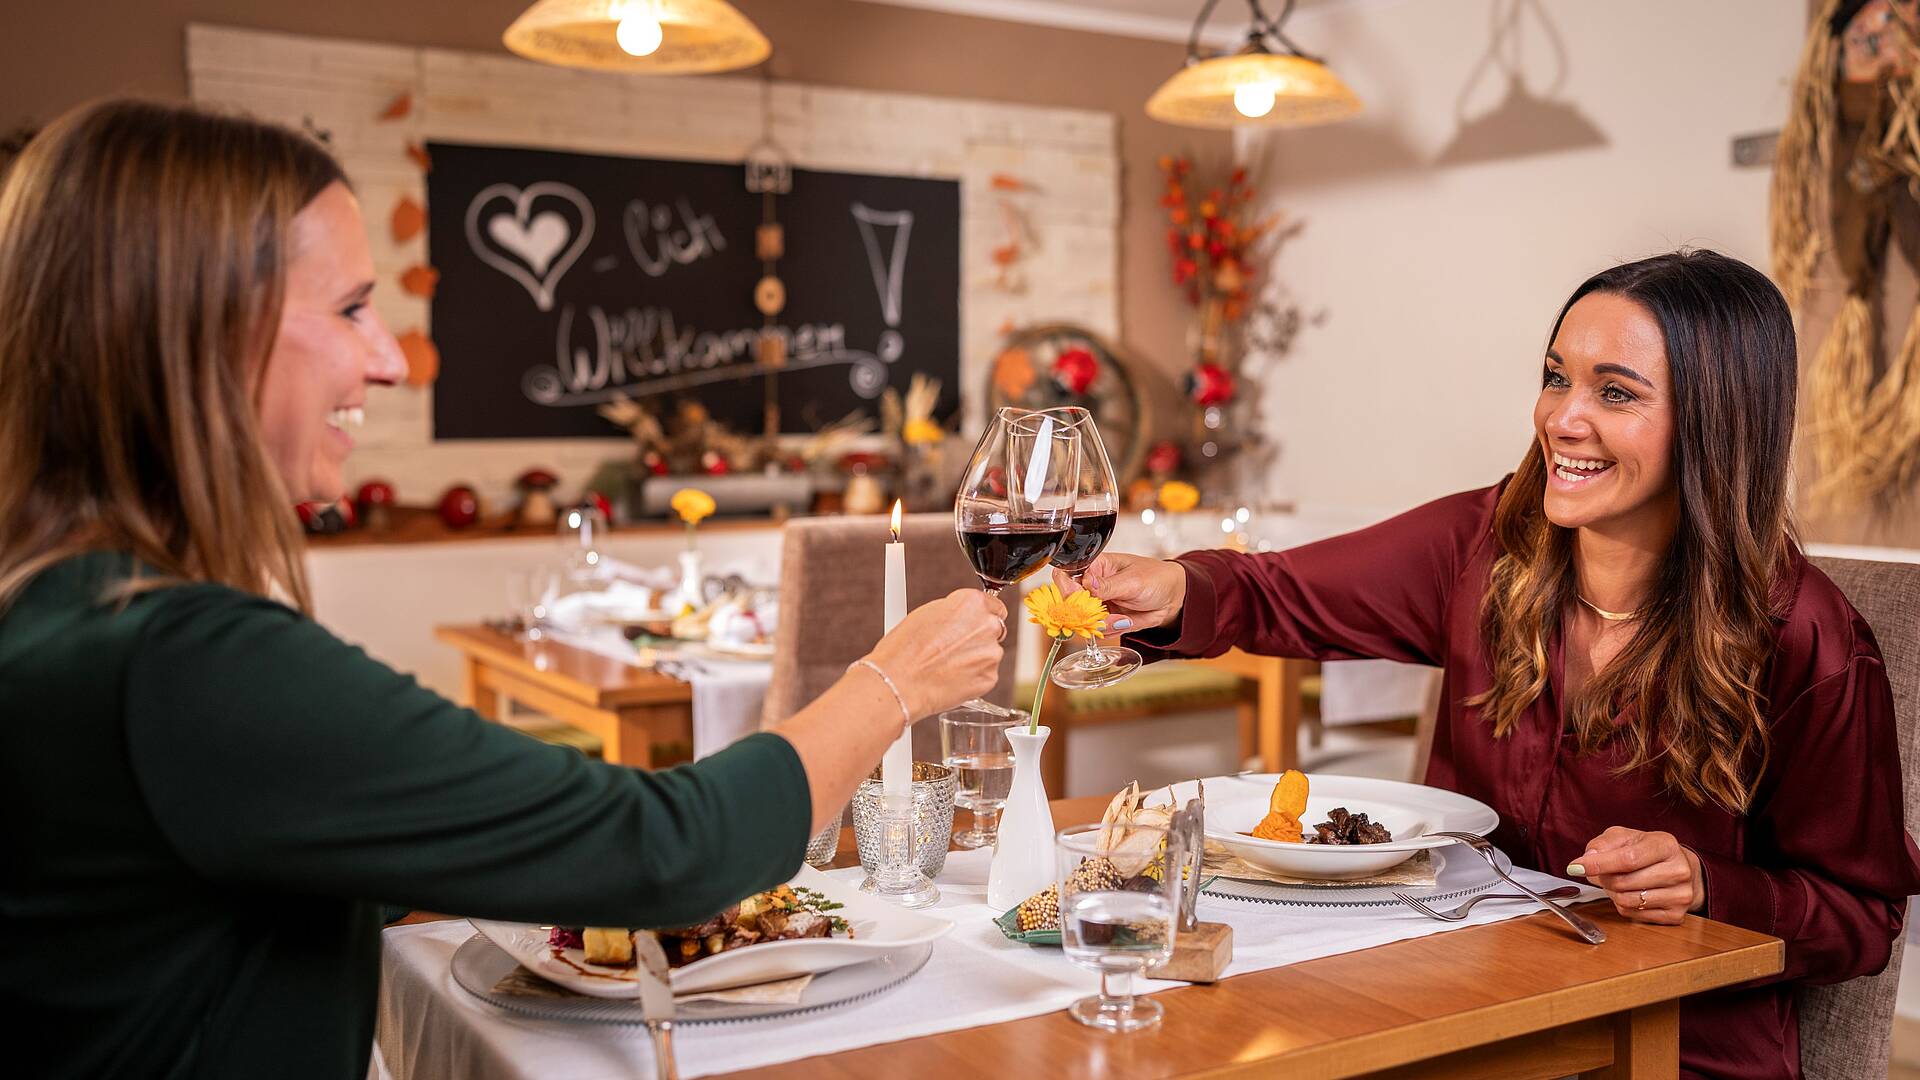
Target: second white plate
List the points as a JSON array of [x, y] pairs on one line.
[[1235, 804], [879, 929]]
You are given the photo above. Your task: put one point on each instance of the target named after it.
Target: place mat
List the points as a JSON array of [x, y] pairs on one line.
[[1418, 872], [430, 1028]]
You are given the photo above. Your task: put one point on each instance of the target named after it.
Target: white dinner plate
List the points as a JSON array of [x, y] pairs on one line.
[[1235, 804], [879, 929]]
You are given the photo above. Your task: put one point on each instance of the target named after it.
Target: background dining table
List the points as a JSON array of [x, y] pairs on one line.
[[1521, 997]]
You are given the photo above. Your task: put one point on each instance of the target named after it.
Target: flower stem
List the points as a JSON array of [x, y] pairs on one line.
[[1040, 691]]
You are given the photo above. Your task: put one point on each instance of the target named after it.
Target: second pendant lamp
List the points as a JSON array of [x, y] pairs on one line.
[[1268, 82]]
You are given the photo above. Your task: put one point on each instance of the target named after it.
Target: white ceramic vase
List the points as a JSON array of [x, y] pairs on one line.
[[1023, 853], [689, 594]]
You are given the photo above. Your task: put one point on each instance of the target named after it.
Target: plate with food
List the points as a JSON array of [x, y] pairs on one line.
[[810, 925], [1333, 827]]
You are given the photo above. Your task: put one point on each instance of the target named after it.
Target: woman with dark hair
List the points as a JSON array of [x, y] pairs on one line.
[[1643, 674], [206, 795]]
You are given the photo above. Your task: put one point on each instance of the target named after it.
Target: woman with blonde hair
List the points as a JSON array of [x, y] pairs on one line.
[[1643, 674], [207, 795]]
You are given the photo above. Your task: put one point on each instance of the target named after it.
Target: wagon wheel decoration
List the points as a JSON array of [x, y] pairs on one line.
[[1061, 364]]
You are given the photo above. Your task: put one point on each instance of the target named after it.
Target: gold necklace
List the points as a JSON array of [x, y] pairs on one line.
[[1610, 616]]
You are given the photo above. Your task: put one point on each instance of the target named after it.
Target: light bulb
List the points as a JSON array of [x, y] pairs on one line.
[[640, 33], [1253, 100]]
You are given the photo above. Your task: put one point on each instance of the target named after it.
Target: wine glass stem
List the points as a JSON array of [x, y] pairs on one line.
[[1092, 656], [986, 820], [1116, 990]]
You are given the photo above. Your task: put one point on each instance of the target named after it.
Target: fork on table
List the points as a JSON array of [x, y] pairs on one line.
[[1581, 925], [1455, 914]]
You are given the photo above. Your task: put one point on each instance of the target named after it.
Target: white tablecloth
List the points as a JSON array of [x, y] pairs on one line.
[[430, 1028]]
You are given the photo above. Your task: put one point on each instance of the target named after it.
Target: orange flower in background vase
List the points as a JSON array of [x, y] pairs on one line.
[[1178, 496]]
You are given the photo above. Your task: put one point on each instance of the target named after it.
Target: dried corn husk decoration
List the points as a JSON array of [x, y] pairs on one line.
[[1129, 848], [1862, 421]]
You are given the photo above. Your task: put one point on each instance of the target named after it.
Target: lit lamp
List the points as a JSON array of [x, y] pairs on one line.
[[640, 37], [1268, 83]]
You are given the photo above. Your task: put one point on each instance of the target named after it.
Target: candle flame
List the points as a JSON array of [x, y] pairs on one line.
[[895, 527]]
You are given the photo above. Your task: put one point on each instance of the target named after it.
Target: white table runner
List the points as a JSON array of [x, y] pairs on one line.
[[727, 693], [429, 1028]]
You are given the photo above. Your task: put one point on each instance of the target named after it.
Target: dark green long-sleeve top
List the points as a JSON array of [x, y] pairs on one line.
[[205, 797]]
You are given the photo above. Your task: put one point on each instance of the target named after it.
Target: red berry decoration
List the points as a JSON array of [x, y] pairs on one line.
[[460, 507], [713, 464], [1074, 371], [1164, 458], [600, 503], [1209, 384]]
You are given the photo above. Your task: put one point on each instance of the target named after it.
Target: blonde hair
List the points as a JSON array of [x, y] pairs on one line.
[[143, 258]]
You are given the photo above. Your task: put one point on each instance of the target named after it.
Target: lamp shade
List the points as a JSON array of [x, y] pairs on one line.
[[692, 36], [1272, 90]]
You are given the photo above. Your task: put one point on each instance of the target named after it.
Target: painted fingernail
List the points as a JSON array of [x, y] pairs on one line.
[[1574, 869], [1122, 624]]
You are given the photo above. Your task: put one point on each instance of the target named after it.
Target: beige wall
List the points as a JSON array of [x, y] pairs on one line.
[[51, 58], [1441, 280]]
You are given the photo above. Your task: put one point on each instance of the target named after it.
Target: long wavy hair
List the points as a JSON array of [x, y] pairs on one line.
[[143, 261], [1692, 675]]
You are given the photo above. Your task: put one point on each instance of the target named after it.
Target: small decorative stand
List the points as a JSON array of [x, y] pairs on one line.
[[1201, 950]]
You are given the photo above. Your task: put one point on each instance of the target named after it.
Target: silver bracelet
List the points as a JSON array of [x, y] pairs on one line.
[[906, 717]]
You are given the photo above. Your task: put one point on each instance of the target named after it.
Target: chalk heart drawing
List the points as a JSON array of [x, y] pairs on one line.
[[525, 234]]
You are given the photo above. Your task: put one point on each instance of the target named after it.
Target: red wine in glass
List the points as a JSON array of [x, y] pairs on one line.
[[1085, 539], [1004, 554]]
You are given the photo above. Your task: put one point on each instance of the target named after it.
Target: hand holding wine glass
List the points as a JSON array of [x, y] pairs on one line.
[[1096, 510], [1145, 591]]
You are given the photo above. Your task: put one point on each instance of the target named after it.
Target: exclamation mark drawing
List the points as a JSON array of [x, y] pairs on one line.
[[885, 234]]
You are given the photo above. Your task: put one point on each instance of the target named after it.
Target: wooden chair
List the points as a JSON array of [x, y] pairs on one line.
[[832, 583], [1264, 692], [1846, 1030]]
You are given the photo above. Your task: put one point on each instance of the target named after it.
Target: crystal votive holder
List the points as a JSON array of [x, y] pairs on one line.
[[824, 845], [933, 787]]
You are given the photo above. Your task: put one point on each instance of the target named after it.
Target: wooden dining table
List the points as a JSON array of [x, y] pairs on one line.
[[1520, 998], [642, 716]]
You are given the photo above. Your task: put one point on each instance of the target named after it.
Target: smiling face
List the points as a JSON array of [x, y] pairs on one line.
[[1605, 419], [329, 346]]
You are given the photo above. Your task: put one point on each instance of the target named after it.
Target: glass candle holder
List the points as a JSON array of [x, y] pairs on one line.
[[824, 845], [933, 787]]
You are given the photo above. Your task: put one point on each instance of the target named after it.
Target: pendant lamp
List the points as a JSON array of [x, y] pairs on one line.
[[1269, 82], [639, 37]]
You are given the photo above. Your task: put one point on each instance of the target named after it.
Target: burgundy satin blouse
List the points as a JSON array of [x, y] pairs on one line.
[[1821, 861]]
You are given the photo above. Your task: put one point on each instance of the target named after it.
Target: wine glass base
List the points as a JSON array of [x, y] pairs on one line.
[[1117, 1016], [911, 890], [1120, 663], [974, 838]]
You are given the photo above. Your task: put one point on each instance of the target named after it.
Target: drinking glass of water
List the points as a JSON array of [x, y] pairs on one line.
[[1119, 904], [974, 746]]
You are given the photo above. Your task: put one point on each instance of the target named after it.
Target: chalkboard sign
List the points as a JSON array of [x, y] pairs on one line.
[[569, 279]]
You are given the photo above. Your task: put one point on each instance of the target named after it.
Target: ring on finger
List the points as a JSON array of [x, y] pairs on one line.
[[1643, 901]]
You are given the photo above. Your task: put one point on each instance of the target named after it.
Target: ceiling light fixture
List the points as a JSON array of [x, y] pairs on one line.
[[640, 37], [1269, 82]]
